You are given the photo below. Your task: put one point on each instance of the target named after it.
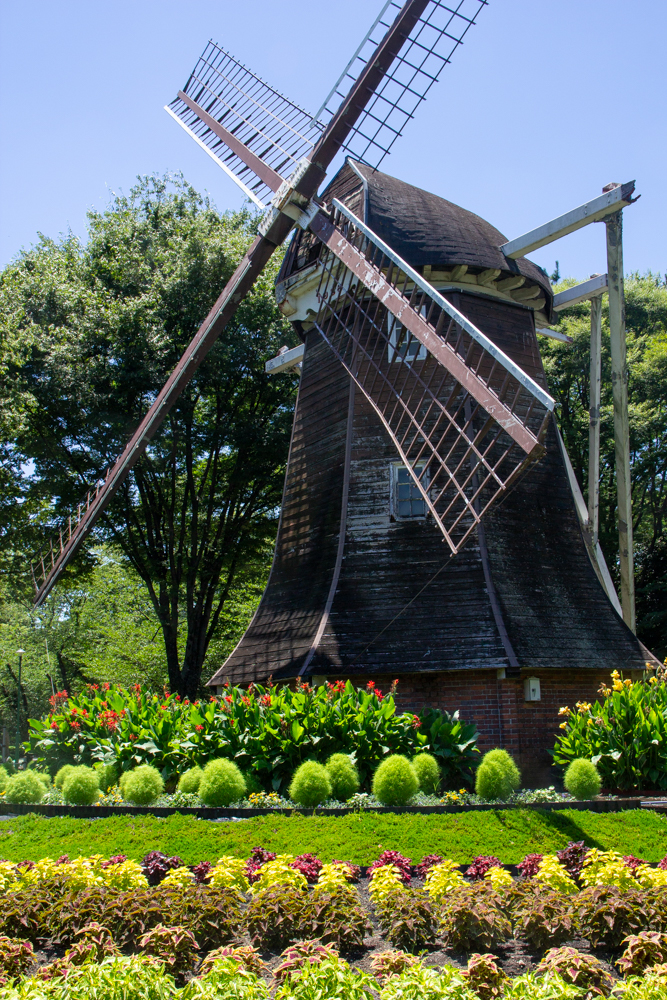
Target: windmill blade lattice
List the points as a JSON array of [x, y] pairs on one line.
[[275, 130], [464, 418], [427, 50]]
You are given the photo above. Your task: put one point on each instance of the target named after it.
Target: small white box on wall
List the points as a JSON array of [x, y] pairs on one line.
[[531, 689]]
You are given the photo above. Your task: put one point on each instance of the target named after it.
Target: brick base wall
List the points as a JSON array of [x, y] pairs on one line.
[[498, 708]]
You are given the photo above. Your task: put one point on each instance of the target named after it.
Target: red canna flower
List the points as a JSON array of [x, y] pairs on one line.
[[199, 728]]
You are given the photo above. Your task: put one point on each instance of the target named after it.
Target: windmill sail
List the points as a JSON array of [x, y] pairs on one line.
[[427, 48], [464, 418]]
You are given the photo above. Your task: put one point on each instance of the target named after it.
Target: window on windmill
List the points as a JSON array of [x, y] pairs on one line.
[[402, 345], [407, 501]]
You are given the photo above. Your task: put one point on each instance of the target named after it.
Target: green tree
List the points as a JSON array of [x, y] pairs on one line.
[[94, 331], [567, 368]]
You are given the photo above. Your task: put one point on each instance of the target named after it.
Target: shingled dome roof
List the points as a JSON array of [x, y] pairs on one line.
[[426, 229]]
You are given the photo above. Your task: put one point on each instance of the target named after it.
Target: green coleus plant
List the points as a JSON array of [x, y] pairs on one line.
[[175, 946]]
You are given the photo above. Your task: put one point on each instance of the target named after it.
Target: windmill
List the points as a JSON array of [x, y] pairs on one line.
[[421, 385]]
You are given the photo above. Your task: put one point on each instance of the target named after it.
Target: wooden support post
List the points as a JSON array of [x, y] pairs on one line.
[[594, 421], [619, 379]]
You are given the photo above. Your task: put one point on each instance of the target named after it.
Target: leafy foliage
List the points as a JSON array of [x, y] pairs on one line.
[[96, 331], [584, 971], [606, 915], [175, 946], [332, 978], [249, 958], [275, 917], [391, 963], [302, 953], [641, 951], [472, 919], [408, 921], [16, 957], [339, 919], [543, 919], [485, 977]]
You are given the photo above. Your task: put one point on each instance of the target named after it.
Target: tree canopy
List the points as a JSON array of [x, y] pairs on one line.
[[90, 334], [568, 368]]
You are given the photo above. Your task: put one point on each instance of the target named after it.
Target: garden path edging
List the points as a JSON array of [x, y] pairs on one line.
[[99, 812]]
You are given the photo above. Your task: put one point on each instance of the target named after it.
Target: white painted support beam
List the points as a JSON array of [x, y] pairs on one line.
[[594, 420], [592, 211], [546, 331], [619, 382], [285, 361], [579, 293]]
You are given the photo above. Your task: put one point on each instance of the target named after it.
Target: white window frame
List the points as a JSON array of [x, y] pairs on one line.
[[393, 326], [395, 467]]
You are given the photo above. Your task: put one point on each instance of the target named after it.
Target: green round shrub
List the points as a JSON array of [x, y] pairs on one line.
[[45, 779], [221, 783], [142, 785], [343, 776], [428, 773], [310, 785], [82, 786], [189, 781], [582, 779], [63, 774], [506, 763], [492, 781], [108, 776], [4, 774], [395, 781], [24, 786]]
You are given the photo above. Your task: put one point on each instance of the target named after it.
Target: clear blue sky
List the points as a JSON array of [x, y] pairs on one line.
[[547, 101]]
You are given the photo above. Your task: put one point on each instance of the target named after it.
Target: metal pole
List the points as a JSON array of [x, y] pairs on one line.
[[594, 421], [619, 380], [18, 710]]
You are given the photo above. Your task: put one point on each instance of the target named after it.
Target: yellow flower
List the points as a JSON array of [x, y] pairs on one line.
[[615, 674], [653, 680], [618, 685], [583, 706], [627, 683], [606, 692], [564, 711], [589, 722], [563, 725]]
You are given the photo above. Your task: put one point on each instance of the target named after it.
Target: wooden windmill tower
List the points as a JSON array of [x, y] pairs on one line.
[[428, 527]]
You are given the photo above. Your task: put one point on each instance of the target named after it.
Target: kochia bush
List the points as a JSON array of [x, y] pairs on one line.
[[492, 782], [221, 783], [62, 775], [582, 779], [24, 787], [343, 776], [395, 781], [142, 785], [81, 786], [310, 785], [506, 764], [428, 773], [190, 781]]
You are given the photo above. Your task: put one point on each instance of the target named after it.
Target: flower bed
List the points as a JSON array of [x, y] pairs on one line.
[[575, 921], [267, 731]]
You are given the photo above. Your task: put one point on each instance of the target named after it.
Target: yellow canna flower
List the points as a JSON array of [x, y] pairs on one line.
[[653, 680], [565, 711], [618, 685], [563, 725], [627, 683]]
